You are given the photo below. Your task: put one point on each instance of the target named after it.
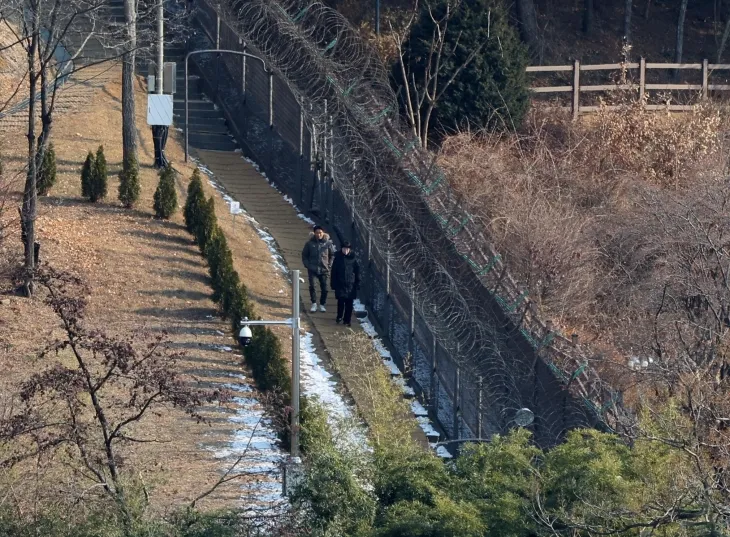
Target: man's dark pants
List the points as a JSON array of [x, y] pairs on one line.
[[344, 309], [322, 279]]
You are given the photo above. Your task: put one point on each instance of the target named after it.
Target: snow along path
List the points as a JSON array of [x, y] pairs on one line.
[[418, 409], [266, 457], [421, 414]]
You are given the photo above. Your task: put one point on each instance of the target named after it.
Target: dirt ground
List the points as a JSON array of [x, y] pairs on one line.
[[145, 276]]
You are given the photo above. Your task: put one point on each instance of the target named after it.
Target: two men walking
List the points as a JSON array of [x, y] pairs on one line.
[[321, 262]]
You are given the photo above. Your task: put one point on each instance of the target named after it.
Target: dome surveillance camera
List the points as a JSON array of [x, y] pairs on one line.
[[244, 336]]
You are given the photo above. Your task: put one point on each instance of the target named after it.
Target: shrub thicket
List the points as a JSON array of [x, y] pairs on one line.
[[47, 172], [264, 354], [165, 195], [129, 187], [87, 174]]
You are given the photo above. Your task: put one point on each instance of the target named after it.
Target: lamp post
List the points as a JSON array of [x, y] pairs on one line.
[[244, 338]]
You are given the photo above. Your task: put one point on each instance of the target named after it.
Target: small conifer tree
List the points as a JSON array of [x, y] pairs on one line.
[[165, 195], [47, 173], [129, 187], [98, 176], [220, 262], [87, 175], [207, 225], [194, 202]]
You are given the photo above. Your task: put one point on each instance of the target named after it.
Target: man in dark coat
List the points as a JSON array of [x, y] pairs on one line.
[[345, 282], [317, 257]]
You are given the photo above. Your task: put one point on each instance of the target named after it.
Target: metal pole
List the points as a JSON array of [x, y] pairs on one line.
[[160, 45], [295, 357], [301, 156], [480, 402], [187, 115]]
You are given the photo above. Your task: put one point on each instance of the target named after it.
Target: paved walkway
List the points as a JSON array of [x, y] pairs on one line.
[[268, 207]]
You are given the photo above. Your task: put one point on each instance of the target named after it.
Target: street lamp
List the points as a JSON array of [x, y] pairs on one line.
[[244, 338]]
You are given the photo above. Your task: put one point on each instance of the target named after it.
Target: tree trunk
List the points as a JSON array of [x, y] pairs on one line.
[[129, 124], [46, 114], [528, 25], [628, 8], [680, 31], [30, 195], [646, 9], [588, 17], [723, 41]]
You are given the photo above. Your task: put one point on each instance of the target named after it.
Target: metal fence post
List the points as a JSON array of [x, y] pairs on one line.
[[388, 301], [412, 327], [576, 89], [480, 402], [271, 124], [217, 56], [434, 376], [457, 406], [705, 77], [244, 100], [301, 156]]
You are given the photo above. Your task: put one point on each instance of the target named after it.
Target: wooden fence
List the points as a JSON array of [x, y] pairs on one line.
[[643, 66]]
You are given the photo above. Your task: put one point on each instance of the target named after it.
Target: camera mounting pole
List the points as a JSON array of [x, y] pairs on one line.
[[295, 356]]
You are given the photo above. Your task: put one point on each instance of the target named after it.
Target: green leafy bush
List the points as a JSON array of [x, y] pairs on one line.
[[47, 173], [129, 186], [166, 195]]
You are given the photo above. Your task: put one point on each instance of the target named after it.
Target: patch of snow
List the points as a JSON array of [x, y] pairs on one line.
[[418, 409], [318, 382], [427, 427], [442, 452], [255, 443]]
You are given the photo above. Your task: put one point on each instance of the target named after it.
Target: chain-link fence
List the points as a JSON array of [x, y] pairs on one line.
[[296, 147]]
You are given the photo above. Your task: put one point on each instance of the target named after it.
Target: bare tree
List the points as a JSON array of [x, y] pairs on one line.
[[43, 27], [90, 406], [423, 95]]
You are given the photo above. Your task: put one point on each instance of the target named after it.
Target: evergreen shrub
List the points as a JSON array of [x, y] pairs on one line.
[[165, 195], [47, 173], [129, 186]]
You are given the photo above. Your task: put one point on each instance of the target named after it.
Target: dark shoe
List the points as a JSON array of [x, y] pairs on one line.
[[348, 325], [338, 320]]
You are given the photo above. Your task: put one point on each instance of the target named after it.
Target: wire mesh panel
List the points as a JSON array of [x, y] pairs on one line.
[[348, 161]]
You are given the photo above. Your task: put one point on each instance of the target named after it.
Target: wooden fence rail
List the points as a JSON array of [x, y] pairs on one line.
[[643, 66]]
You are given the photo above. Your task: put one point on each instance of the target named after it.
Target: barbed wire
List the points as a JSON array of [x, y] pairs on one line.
[[435, 250]]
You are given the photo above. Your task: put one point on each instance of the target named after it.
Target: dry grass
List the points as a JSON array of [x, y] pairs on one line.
[[575, 209], [145, 276]]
